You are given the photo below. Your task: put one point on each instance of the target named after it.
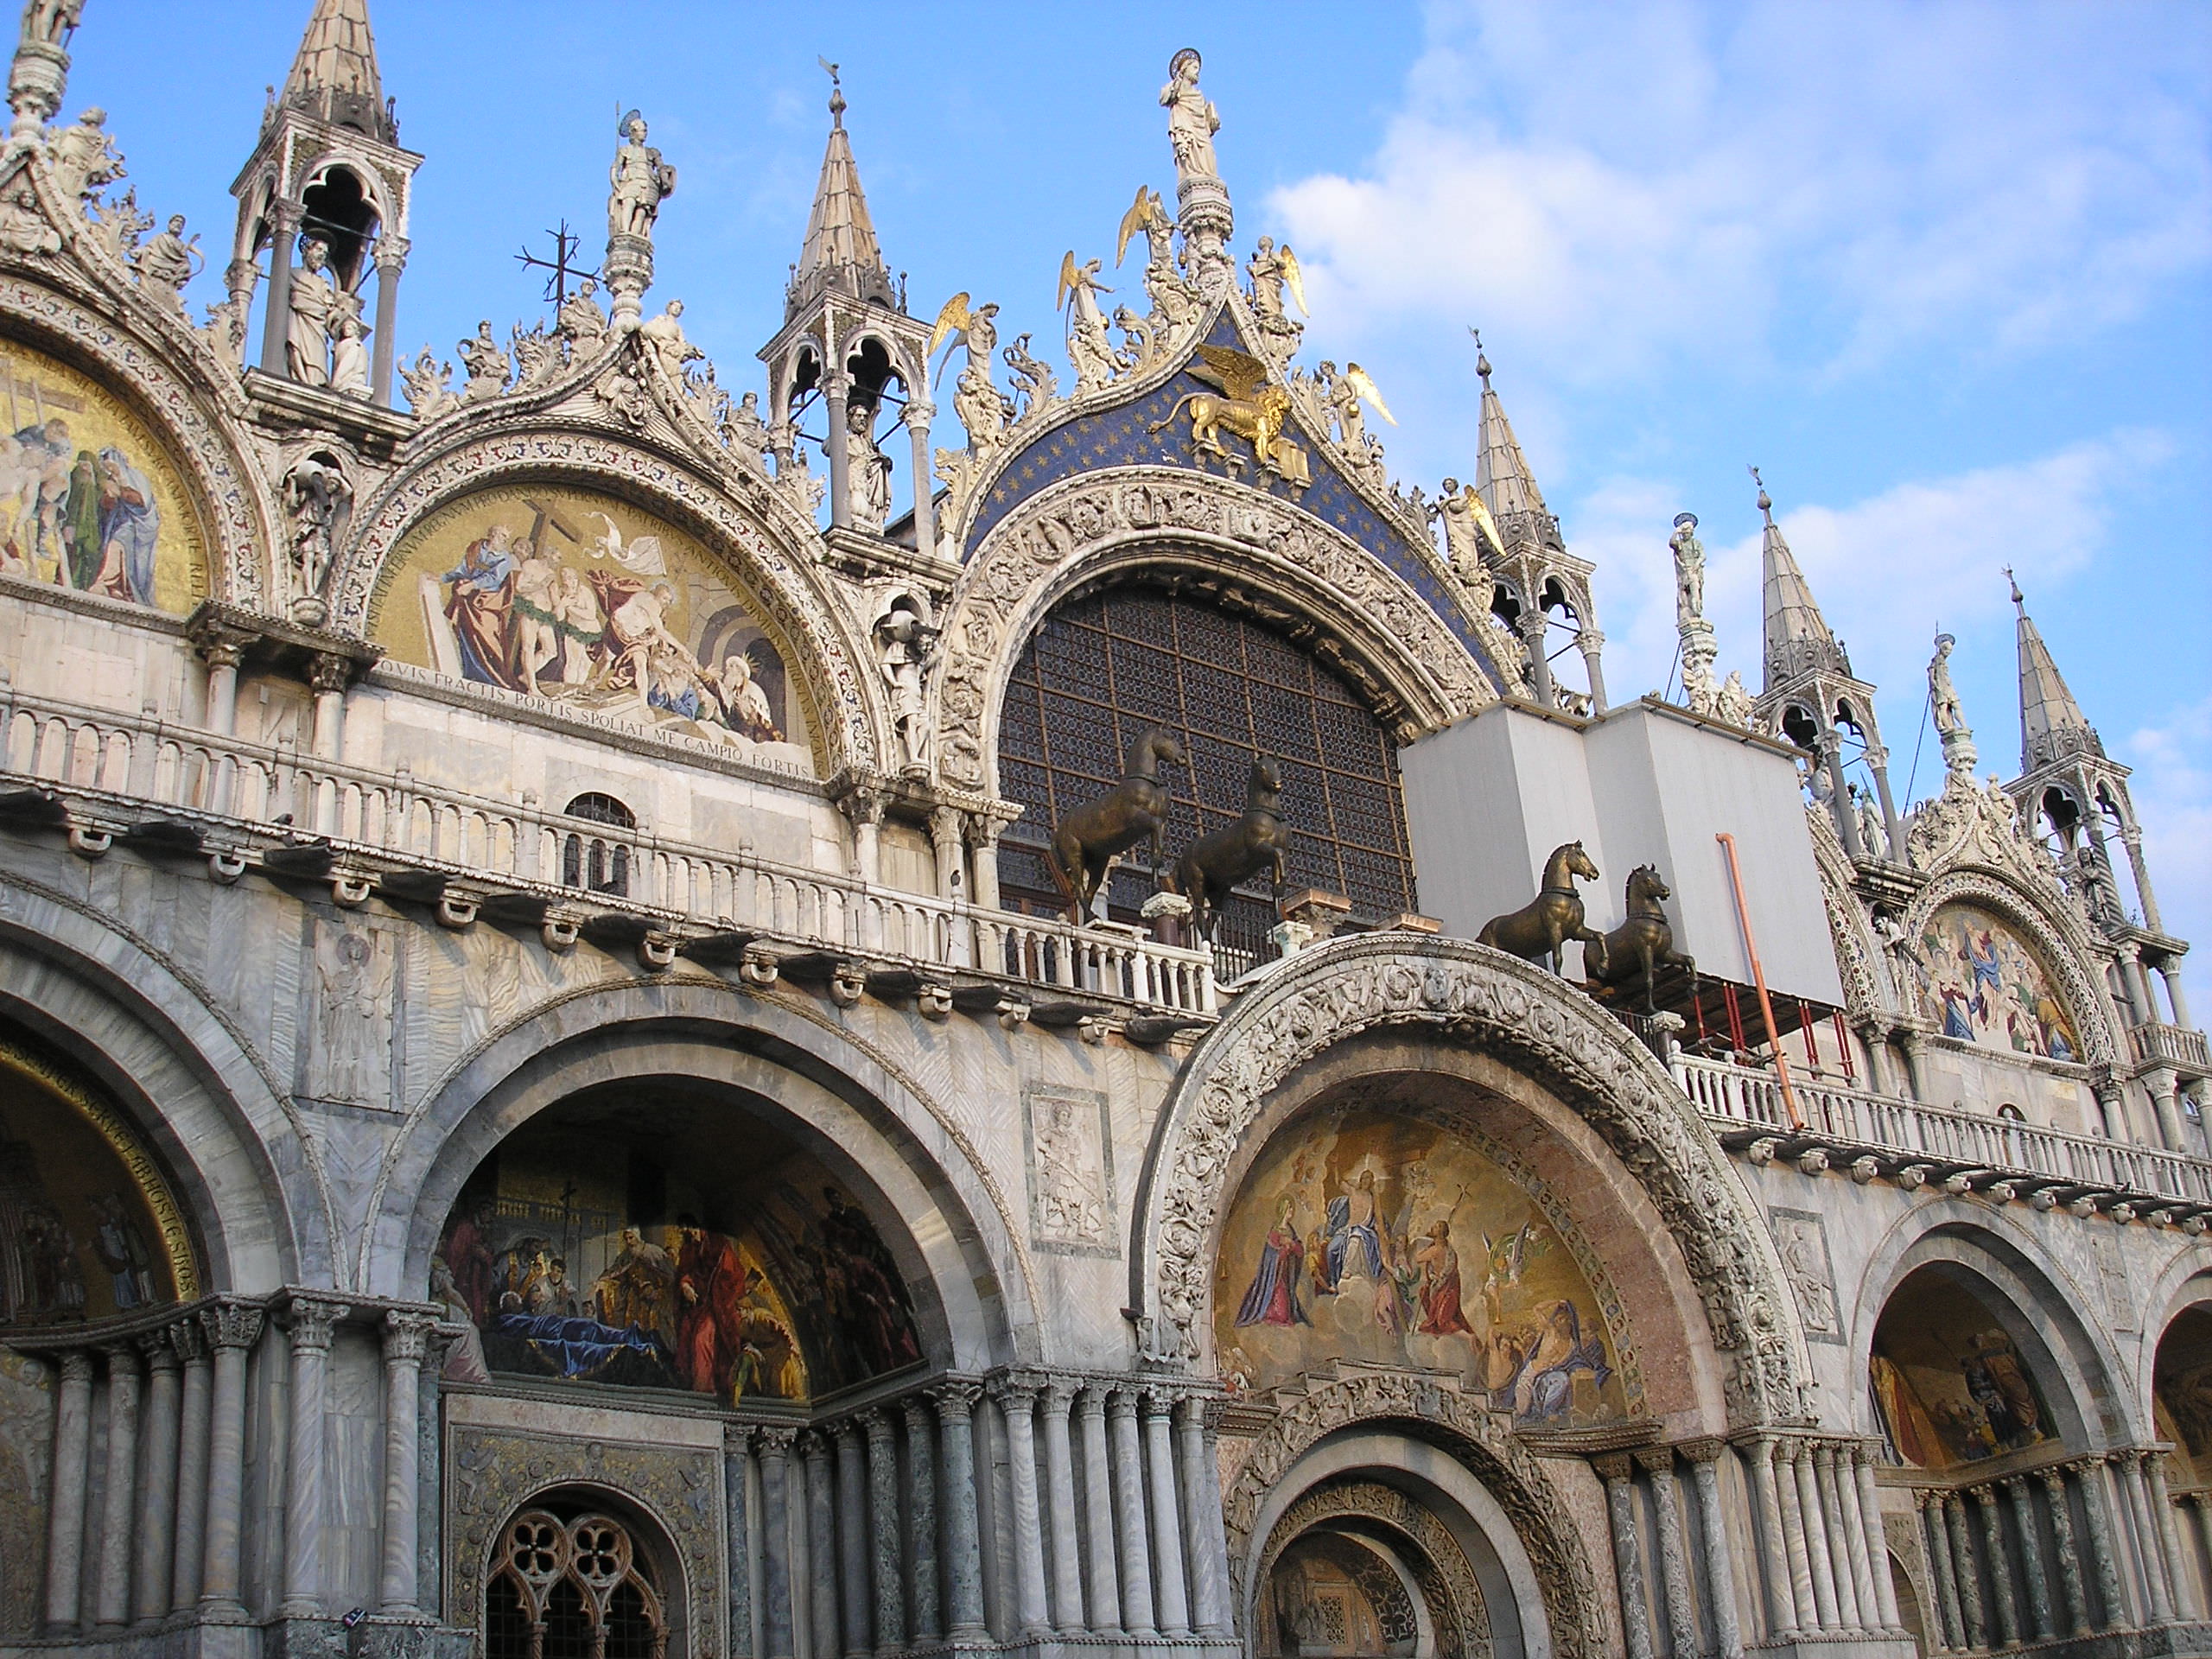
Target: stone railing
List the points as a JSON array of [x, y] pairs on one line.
[[2158, 1044], [248, 801], [1946, 1142]]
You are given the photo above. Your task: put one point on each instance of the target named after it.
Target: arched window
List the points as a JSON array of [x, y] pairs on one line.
[[571, 1584], [1108, 664], [598, 863]]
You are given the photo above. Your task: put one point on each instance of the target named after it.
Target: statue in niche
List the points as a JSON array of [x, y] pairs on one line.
[[903, 639], [349, 349], [1873, 834], [1942, 695], [1191, 122], [83, 157], [1689, 571], [168, 262], [641, 182], [316, 495], [314, 314], [867, 470]]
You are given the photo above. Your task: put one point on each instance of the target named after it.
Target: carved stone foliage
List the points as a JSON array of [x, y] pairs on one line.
[[1433, 1410], [1445, 1576], [491, 1474], [239, 514], [1968, 824], [1867, 988], [1466, 993], [2049, 928], [837, 666], [1401, 653]]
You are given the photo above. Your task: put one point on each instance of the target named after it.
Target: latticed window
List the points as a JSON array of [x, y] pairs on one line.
[[598, 863], [571, 1587], [1106, 665]]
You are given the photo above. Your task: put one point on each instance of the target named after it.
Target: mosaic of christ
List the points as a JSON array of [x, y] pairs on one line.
[[1977, 978], [587, 602], [1372, 1236]]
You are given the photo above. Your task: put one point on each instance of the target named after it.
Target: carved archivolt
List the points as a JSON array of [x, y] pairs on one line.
[[1445, 1576], [1470, 994], [829, 655], [1082, 528], [2057, 939], [1431, 1411], [238, 514], [1867, 990]]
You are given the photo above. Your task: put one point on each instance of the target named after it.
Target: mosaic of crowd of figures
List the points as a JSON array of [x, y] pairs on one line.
[[586, 601], [1950, 1385], [691, 1254], [1982, 983], [88, 499], [1370, 1235]]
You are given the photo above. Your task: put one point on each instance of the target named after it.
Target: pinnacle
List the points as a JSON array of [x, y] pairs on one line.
[[1502, 474], [841, 250]]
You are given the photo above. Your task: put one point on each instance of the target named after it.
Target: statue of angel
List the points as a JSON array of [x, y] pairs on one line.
[[984, 410], [1147, 217], [1191, 122], [1343, 393], [1689, 570], [1271, 270], [1942, 695], [1088, 349], [1470, 536], [640, 179]]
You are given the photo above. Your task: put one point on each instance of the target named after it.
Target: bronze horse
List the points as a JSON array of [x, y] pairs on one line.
[[1645, 941], [1088, 839], [1211, 866], [1542, 928]]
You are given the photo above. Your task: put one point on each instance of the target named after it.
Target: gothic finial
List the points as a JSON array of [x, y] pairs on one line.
[[837, 93], [1482, 359], [2018, 597], [1766, 502]]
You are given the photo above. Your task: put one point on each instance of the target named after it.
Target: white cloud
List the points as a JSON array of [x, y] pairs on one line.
[[2172, 791], [1612, 189]]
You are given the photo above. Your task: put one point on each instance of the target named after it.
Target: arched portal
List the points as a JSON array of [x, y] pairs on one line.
[[572, 1577]]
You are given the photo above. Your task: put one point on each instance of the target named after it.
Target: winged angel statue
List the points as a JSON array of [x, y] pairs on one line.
[[1089, 348], [1255, 409], [984, 410]]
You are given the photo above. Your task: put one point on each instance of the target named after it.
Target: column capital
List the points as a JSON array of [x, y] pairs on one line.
[[161, 1353], [1059, 1395], [1090, 1400], [2053, 1475], [285, 214], [876, 1420], [2016, 1487], [1612, 1467], [948, 825], [1123, 1403], [233, 1325], [1013, 1390], [120, 1353], [919, 1410], [816, 1445], [774, 1439], [1591, 640], [407, 1336], [1927, 1499], [848, 1431], [189, 1339], [1654, 1459], [391, 252], [920, 414], [955, 1398], [310, 1320], [76, 1366]]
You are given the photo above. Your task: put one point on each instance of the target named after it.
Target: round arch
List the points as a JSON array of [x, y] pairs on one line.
[[771, 554], [2183, 1282], [1468, 995], [949, 1227], [1386, 639]]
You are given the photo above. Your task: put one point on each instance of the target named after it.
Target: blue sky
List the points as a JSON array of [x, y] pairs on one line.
[[1942, 271]]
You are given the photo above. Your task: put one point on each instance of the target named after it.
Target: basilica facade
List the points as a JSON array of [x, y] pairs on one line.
[[648, 1019]]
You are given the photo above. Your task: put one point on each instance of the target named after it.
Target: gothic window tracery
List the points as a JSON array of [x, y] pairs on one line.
[[576, 1588]]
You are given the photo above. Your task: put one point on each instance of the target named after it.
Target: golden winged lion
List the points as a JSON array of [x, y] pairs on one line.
[[1253, 410]]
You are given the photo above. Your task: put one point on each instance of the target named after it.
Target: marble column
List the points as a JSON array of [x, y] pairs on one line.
[[2074, 1604], [852, 1539], [1658, 1465], [884, 1533], [1704, 1459], [391, 259], [1817, 1553], [1059, 1494], [1628, 1558], [1773, 1559], [1943, 1577], [1969, 1576], [111, 1587], [1128, 1470], [406, 1337], [956, 1406], [2104, 1558], [309, 1322], [1098, 1518], [2162, 1529], [1169, 1577], [65, 1520], [191, 1345], [1209, 1551], [2201, 1501], [1848, 1570], [1016, 1399], [836, 385], [2128, 1465], [1877, 1547], [232, 1329], [2000, 1566], [822, 1574], [157, 1490], [921, 1517], [741, 1546], [774, 1447], [920, 414], [1592, 644], [2024, 1520], [276, 322], [1806, 1615]]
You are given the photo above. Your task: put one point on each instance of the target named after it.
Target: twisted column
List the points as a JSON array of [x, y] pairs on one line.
[[1969, 1580], [1060, 1488], [1016, 1399], [774, 1447], [1774, 1560], [2024, 1520], [1943, 1584], [233, 1329], [112, 1589], [921, 1517], [65, 1519], [1658, 1465], [1166, 1523], [1209, 1548], [956, 1406], [2074, 1605], [1129, 1511], [191, 1345], [821, 1545], [406, 1337], [310, 1321], [852, 1538], [884, 1533], [1098, 1521], [157, 1498], [2000, 1568]]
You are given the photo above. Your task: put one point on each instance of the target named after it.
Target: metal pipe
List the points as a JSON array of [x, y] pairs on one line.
[[1758, 978]]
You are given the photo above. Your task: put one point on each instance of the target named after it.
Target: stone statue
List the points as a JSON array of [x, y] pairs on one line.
[[428, 391], [349, 349], [1089, 348], [804, 488], [1873, 834], [747, 431], [1341, 394], [641, 182], [580, 322], [1192, 121], [903, 639], [984, 410], [1034, 381], [168, 262], [1689, 571], [488, 366], [1271, 270], [867, 470], [664, 334], [1943, 694], [1732, 702], [1471, 538], [315, 494], [84, 158], [121, 224], [51, 22], [314, 316]]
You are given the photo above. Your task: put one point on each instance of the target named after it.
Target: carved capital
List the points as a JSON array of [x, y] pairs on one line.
[[1705, 1450], [407, 1337], [1655, 1460], [876, 1420], [1122, 1402], [774, 1440], [231, 1325], [189, 1341], [309, 1321], [77, 1367], [947, 825], [161, 1353], [1014, 1392], [327, 671], [1613, 1467], [956, 1401]]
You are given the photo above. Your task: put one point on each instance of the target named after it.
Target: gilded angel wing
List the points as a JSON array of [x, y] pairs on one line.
[[1485, 526], [1238, 373], [1357, 378], [1133, 223], [1293, 278], [1069, 279], [952, 320]]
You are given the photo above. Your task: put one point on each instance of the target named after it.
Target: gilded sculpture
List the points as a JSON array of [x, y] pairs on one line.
[[1088, 840], [1211, 867], [1255, 409], [1542, 928]]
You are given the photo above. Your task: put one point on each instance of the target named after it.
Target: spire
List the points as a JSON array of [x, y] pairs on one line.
[[334, 77], [2051, 722], [1502, 474], [1797, 636], [841, 248]]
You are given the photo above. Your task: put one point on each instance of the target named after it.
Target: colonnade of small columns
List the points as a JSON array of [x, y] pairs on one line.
[[864, 1534]]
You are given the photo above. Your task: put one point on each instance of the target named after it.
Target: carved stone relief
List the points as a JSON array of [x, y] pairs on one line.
[[1072, 1207], [1802, 1241], [347, 1047]]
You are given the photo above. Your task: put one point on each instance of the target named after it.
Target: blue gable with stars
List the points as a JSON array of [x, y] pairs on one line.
[[1122, 436]]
